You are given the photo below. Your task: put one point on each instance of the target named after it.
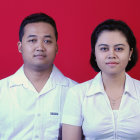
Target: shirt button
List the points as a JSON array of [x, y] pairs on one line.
[[38, 114], [36, 137]]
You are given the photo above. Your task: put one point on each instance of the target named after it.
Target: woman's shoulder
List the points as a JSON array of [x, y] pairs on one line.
[[136, 85], [83, 88], [130, 78], [87, 84], [80, 90], [136, 82]]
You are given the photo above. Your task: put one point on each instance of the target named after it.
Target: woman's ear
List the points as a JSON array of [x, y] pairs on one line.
[[19, 46], [130, 54]]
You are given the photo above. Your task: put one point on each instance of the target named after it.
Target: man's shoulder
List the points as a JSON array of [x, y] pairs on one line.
[[6, 79], [5, 83], [60, 78], [83, 87], [71, 82]]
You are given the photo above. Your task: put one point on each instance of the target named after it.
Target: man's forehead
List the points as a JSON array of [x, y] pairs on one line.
[[36, 29], [38, 24], [39, 30]]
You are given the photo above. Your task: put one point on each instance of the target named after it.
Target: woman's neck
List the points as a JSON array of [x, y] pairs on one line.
[[113, 80], [114, 88], [114, 83]]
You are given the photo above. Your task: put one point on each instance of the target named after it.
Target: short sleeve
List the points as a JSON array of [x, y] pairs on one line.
[[72, 113]]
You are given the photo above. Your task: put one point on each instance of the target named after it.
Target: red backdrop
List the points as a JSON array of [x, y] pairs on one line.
[[75, 21]]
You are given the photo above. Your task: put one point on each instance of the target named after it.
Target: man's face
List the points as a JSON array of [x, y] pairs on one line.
[[38, 46]]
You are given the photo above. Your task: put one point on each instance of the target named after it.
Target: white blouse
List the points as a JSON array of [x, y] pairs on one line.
[[87, 105]]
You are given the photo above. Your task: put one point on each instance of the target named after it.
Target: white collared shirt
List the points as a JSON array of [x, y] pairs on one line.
[[26, 114], [87, 105]]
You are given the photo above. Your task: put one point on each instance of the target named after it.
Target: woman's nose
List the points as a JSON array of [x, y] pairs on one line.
[[112, 54]]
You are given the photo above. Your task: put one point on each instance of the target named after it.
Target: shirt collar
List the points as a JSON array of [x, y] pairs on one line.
[[56, 77], [97, 86], [130, 87], [18, 78]]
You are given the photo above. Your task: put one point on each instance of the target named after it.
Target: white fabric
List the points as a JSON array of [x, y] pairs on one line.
[[87, 105], [26, 114]]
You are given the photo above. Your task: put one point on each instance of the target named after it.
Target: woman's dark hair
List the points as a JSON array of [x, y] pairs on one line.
[[34, 18], [114, 25]]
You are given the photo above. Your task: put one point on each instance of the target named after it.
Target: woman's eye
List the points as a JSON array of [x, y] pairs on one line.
[[118, 49], [103, 49]]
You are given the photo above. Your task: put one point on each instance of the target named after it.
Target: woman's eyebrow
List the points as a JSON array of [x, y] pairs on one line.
[[100, 45], [119, 45]]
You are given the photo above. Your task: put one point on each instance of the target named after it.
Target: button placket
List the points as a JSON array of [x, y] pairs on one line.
[[37, 121]]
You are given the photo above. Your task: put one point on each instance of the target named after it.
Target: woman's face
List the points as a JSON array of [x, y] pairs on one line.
[[112, 52]]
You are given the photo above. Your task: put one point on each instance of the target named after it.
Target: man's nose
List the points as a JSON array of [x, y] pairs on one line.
[[40, 46]]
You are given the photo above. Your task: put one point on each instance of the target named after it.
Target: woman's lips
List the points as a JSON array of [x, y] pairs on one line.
[[112, 63]]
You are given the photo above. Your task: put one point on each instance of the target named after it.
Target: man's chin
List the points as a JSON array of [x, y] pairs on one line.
[[43, 67]]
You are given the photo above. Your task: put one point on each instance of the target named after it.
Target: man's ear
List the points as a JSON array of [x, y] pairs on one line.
[[56, 48], [19, 46]]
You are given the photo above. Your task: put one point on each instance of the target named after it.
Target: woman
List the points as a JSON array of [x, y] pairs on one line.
[[108, 106]]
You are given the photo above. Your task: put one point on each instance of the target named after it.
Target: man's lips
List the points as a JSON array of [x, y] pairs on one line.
[[39, 55]]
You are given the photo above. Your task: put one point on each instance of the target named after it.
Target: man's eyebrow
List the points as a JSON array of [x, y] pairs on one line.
[[47, 36], [31, 36]]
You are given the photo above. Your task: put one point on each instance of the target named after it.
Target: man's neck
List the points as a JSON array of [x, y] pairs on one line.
[[37, 78]]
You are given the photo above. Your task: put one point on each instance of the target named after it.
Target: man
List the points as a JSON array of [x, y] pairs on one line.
[[31, 100]]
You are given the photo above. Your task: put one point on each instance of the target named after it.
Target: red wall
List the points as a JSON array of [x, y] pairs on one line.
[[75, 21]]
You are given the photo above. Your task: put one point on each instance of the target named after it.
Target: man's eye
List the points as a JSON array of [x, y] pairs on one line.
[[32, 40], [47, 41]]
